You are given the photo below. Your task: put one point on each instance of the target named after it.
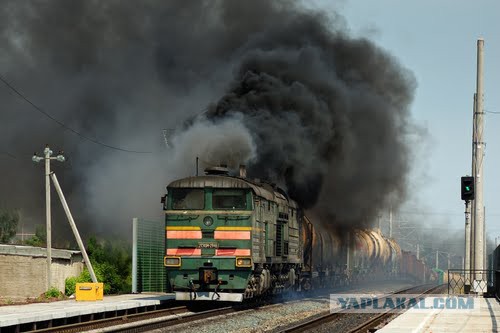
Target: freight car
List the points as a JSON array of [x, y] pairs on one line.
[[231, 238], [415, 269]]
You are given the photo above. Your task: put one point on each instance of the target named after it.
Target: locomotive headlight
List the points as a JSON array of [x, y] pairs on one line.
[[243, 262], [172, 261], [208, 221]]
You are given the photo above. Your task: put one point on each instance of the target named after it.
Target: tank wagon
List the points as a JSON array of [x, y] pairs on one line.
[[231, 238], [375, 256]]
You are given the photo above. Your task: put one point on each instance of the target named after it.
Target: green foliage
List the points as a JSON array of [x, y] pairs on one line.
[[70, 285], [40, 237], [34, 241], [113, 282], [53, 292], [8, 224], [112, 264]]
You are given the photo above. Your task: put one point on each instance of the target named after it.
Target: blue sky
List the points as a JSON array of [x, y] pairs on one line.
[[436, 40]]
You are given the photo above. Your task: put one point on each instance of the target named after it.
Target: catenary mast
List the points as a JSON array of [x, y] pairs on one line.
[[478, 211]]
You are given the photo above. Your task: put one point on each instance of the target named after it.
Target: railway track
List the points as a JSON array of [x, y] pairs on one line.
[[173, 316], [156, 319], [368, 322], [150, 320], [135, 322]]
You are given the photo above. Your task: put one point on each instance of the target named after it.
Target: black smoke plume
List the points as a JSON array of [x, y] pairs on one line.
[[289, 92], [329, 115]]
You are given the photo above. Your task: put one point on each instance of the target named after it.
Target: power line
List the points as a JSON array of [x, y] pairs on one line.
[[494, 112], [440, 213], [429, 213], [6, 153], [39, 109]]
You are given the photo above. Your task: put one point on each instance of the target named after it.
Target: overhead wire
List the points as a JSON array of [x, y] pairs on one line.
[[46, 114], [439, 213], [6, 153]]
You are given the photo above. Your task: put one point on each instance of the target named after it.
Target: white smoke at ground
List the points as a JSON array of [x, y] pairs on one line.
[[224, 142], [116, 190]]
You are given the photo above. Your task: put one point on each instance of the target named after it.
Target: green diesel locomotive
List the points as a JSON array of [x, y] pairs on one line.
[[229, 238]]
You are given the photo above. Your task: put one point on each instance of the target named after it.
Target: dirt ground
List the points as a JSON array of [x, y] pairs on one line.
[[40, 299]]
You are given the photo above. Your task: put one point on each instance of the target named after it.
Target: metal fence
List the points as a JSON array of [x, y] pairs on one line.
[[470, 281], [148, 250]]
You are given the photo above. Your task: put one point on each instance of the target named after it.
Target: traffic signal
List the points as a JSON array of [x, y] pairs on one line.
[[467, 188]]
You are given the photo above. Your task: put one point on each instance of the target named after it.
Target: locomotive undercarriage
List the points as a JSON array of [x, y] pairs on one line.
[[273, 279], [282, 278], [264, 281], [321, 279]]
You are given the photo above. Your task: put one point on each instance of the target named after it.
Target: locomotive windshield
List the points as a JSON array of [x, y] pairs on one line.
[[187, 198], [229, 199]]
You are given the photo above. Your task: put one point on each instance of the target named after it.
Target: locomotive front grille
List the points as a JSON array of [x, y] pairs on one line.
[[207, 234]]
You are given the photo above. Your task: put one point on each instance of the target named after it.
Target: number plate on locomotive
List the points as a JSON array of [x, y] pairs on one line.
[[208, 245]]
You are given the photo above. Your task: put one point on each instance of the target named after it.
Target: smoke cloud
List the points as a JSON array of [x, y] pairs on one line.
[[288, 91], [226, 141], [329, 115]]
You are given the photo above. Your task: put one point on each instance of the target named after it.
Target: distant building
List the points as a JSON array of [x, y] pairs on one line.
[[23, 269]]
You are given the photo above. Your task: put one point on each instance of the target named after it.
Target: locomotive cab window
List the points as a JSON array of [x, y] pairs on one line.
[[229, 199], [187, 198]]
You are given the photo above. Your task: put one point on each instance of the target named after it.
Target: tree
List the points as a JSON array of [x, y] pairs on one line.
[[112, 263], [8, 224], [40, 237]]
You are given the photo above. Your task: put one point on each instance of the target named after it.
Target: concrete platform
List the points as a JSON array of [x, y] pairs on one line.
[[13, 315], [487, 319]]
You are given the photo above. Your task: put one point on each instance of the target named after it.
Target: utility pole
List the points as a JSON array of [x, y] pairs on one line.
[[478, 163], [437, 259], [418, 251], [485, 261], [47, 157], [472, 207]]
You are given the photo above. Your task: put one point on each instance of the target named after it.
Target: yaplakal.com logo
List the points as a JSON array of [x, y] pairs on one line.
[[366, 303]]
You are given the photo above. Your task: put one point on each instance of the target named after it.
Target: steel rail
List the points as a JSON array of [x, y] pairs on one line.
[[158, 323], [149, 320], [377, 320], [334, 316], [106, 322], [146, 321]]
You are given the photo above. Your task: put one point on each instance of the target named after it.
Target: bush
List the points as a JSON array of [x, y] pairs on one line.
[[70, 285], [105, 272], [53, 292], [8, 224], [112, 265], [39, 239]]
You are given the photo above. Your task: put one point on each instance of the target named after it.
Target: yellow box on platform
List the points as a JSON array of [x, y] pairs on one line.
[[89, 291]]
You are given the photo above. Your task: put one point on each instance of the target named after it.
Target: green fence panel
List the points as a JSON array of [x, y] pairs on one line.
[[149, 249]]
